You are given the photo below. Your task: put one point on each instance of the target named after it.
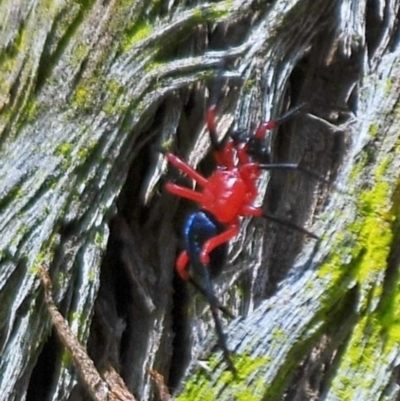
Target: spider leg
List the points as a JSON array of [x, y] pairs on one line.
[[181, 268], [220, 332], [183, 192], [198, 228], [223, 150], [181, 265], [271, 124], [214, 306], [212, 110], [291, 113], [249, 210], [216, 241], [294, 166], [258, 212], [289, 224], [212, 127], [203, 292], [185, 168]]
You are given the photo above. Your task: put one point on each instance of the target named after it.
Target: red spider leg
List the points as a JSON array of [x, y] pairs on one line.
[[185, 168], [218, 240], [242, 153], [249, 210], [271, 124], [190, 172], [183, 192], [181, 264]]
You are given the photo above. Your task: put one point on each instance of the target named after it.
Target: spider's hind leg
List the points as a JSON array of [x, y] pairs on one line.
[[199, 228]]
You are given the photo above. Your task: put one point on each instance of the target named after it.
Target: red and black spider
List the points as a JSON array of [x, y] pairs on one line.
[[223, 198]]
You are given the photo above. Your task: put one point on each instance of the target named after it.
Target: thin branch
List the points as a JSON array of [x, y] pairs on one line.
[[112, 387]]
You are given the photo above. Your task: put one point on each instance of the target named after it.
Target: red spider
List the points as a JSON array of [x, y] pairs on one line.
[[230, 191], [223, 198]]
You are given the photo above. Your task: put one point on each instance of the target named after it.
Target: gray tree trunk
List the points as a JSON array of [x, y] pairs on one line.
[[89, 91]]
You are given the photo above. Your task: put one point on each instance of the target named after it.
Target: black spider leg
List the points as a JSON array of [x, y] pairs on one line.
[[215, 91], [211, 298], [289, 224], [294, 166], [203, 292], [310, 173], [290, 114], [200, 227]]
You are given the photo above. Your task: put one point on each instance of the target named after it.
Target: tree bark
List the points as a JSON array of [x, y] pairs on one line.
[[90, 91]]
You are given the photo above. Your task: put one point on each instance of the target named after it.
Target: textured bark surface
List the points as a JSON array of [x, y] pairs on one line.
[[90, 90]]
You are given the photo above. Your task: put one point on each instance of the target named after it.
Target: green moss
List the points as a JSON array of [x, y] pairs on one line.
[[153, 65], [86, 4], [22, 230], [199, 386], [198, 15], [377, 333], [85, 152], [99, 239], [83, 97], [66, 359], [31, 111], [365, 347], [374, 233], [278, 334], [114, 92], [373, 130], [64, 149], [249, 83], [389, 85], [45, 255], [389, 311], [358, 168], [213, 13], [61, 278], [380, 171], [343, 389], [92, 276], [367, 240], [15, 193], [39, 262], [98, 93], [217, 12], [137, 33], [14, 49], [332, 268], [310, 285]]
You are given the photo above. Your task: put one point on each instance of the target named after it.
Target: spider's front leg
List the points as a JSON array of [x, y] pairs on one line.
[[178, 190], [186, 168]]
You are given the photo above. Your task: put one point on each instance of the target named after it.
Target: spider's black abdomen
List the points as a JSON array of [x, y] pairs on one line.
[[199, 227]]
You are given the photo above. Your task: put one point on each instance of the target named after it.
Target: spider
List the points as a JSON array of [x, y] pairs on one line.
[[223, 198]]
